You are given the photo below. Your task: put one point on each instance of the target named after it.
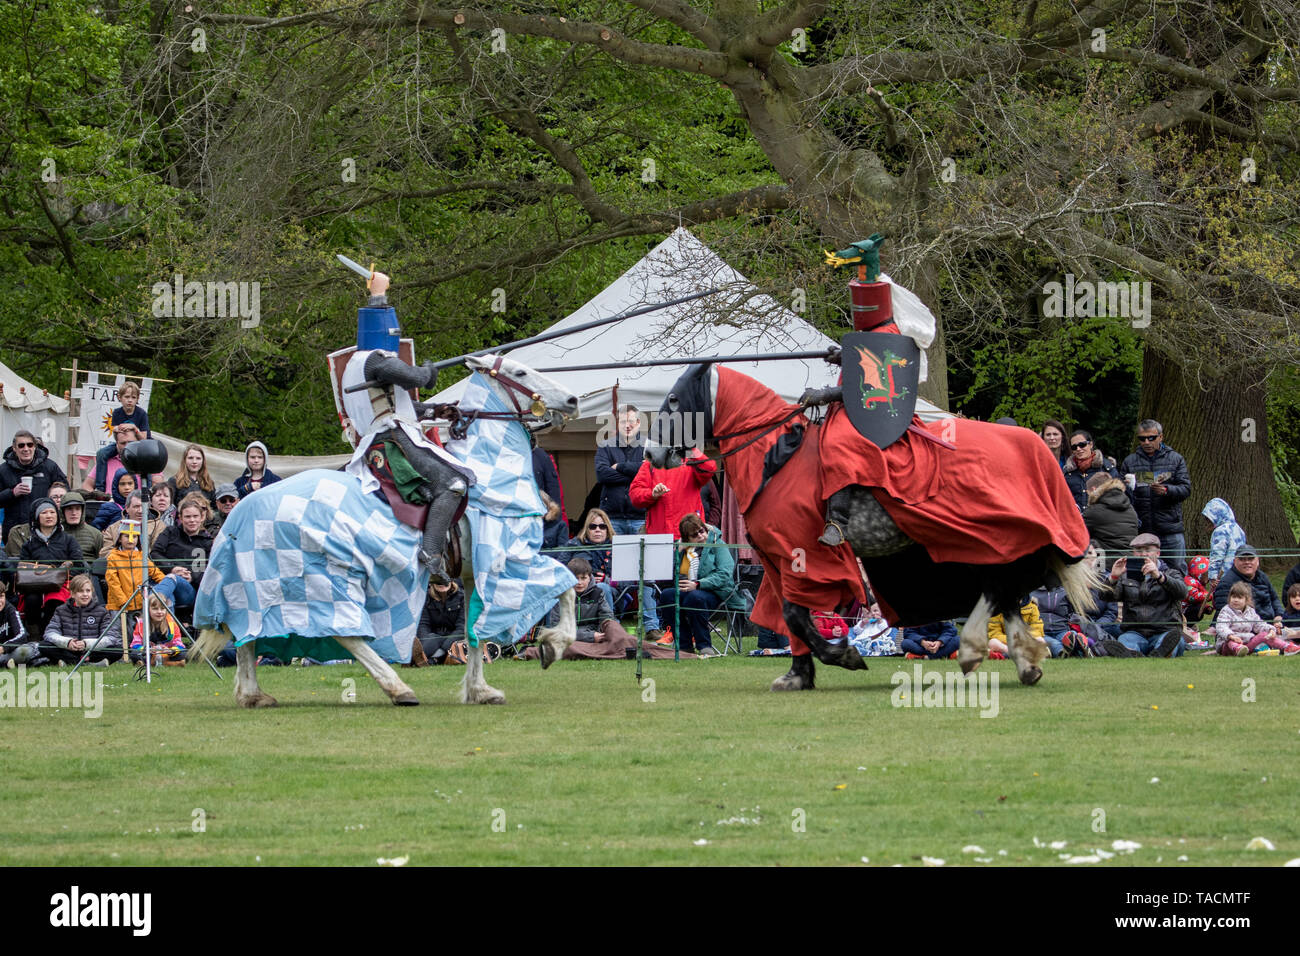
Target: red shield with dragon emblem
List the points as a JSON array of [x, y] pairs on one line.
[[881, 375]]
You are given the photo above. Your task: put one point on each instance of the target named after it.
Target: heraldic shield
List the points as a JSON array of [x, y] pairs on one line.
[[881, 372]]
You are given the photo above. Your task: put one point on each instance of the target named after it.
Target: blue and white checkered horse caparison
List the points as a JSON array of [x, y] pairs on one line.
[[309, 558], [516, 584]]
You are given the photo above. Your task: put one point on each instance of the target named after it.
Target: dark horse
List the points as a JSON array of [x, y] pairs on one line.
[[966, 524]]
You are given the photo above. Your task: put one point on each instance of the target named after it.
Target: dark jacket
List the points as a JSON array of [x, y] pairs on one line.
[[1077, 478], [72, 623], [88, 536], [592, 611], [443, 618], [1151, 606], [554, 531], [1054, 609], [1110, 518], [59, 548], [11, 626], [1267, 604], [1292, 577], [935, 631], [43, 472], [243, 487], [1159, 514], [195, 488], [616, 466], [173, 548]]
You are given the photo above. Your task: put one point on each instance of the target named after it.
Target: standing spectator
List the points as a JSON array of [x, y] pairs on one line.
[[256, 474], [88, 537], [181, 553], [192, 476], [1245, 567], [227, 498], [667, 495], [555, 526], [1152, 600], [617, 463], [1084, 462], [130, 410], [1226, 536], [1053, 436], [108, 460], [1158, 482], [26, 476], [1111, 521]]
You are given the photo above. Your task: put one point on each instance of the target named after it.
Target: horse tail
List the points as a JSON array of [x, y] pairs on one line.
[[1079, 579], [211, 641]]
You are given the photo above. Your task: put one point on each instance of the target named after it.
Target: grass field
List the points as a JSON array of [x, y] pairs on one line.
[[580, 767]]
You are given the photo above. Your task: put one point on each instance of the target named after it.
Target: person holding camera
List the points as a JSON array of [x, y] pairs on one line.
[[1151, 593]]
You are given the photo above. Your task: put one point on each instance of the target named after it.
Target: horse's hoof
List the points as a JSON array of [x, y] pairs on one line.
[[1031, 676], [799, 677], [257, 700], [491, 696], [406, 700], [968, 666], [546, 655], [790, 682]]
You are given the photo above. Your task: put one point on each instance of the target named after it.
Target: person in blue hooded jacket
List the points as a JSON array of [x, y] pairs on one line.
[[1226, 536]]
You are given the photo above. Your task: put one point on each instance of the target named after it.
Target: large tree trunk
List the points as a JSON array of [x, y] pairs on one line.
[[935, 387], [1223, 433]]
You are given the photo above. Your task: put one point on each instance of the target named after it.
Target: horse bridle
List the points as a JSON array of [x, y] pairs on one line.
[[537, 409]]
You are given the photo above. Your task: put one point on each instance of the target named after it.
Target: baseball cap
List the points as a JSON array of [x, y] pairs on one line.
[[1246, 551], [226, 491]]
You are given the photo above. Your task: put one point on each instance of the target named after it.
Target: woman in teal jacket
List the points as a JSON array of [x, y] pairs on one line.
[[706, 580]]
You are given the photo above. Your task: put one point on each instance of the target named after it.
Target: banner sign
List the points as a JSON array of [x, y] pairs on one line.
[[98, 401]]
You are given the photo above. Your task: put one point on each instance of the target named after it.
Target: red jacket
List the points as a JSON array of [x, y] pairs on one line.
[[662, 515]]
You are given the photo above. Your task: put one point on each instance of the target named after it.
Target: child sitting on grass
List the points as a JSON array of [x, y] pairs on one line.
[[932, 642], [164, 633], [1291, 614], [997, 630], [1240, 630], [873, 636]]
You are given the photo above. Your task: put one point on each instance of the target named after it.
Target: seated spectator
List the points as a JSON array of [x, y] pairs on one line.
[[873, 636], [108, 460], [12, 633], [1200, 592], [134, 512], [1062, 625], [1226, 536], [1109, 516], [20, 534], [1238, 630], [49, 545], [227, 498], [26, 476], [998, 632], [706, 581], [1053, 436], [1084, 462], [192, 476], [89, 538], [1292, 577], [79, 624], [936, 642], [617, 463], [164, 634], [256, 474], [130, 410], [111, 511], [181, 553], [593, 545], [1291, 614], [125, 571], [1245, 567], [442, 622], [1151, 597], [162, 510]]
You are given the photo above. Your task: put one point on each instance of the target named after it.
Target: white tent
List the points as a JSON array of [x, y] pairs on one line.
[[23, 405], [678, 266]]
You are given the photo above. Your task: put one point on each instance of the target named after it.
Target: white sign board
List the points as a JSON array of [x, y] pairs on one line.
[[658, 557]]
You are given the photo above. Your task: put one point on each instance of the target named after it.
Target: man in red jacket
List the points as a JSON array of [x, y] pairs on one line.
[[668, 495]]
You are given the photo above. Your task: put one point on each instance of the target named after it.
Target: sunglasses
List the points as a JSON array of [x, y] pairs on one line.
[[24, 444], [594, 525], [1145, 438], [1080, 444]]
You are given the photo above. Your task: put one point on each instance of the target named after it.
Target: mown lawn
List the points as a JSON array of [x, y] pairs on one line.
[[580, 767]]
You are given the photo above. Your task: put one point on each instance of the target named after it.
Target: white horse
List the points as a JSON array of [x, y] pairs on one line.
[[309, 557]]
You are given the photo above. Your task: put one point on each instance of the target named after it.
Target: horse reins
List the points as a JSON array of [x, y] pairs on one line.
[[537, 409]]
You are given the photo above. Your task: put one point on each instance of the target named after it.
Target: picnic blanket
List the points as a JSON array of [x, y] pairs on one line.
[[514, 583], [311, 557]]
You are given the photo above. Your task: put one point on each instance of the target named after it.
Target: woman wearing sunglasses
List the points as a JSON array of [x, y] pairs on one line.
[[593, 545], [1084, 462]]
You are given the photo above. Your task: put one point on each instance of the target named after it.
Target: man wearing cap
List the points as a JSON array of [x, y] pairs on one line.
[[1152, 607], [73, 509], [1245, 567], [227, 498], [1158, 481]]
